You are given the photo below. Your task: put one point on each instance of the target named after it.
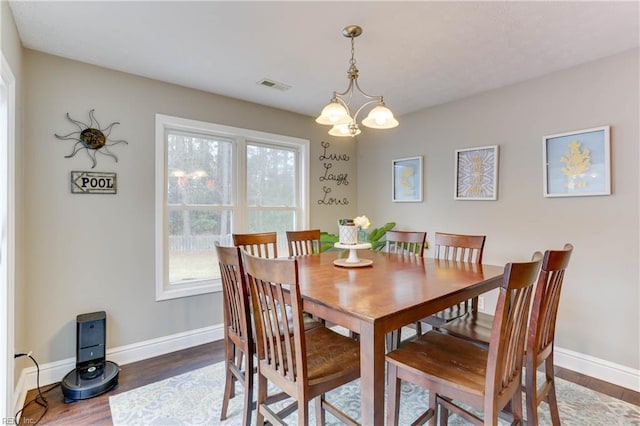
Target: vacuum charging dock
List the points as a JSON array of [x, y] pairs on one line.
[[93, 375]]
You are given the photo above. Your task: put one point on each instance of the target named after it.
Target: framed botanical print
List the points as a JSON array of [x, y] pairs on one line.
[[476, 175], [577, 163]]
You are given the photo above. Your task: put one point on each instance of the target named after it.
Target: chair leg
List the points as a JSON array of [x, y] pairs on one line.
[[393, 340], [303, 412], [262, 397], [551, 396], [228, 385], [320, 419], [248, 392], [531, 389], [229, 382], [418, 328], [516, 409], [393, 395], [442, 414]]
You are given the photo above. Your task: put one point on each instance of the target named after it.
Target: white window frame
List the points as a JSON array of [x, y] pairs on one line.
[[7, 243], [241, 137]]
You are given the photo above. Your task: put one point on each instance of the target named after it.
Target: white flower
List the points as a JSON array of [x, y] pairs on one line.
[[362, 222]]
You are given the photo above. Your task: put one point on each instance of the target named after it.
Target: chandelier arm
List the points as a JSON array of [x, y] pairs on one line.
[[375, 100], [347, 90], [344, 103], [344, 98], [365, 94], [348, 93]]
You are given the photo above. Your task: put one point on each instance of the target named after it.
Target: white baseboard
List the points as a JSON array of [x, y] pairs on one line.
[[54, 371], [598, 368]]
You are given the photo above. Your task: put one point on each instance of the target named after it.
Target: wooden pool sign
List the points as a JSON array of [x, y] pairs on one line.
[[93, 183]]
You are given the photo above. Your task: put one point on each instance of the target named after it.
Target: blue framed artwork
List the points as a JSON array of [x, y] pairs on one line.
[[577, 163], [476, 173], [407, 180]]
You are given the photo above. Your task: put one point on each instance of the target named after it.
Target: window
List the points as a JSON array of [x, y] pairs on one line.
[[212, 181], [7, 233]]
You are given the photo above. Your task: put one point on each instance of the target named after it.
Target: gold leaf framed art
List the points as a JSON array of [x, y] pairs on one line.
[[577, 163], [407, 180]]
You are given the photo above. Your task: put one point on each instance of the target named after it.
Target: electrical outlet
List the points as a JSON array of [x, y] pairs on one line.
[[481, 303]]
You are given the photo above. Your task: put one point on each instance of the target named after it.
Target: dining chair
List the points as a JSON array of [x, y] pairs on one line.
[[305, 364], [303, 243], [456, 371], [239, 330], [408, 243], [460, 248], [404, 243], [264, 244], [238, 334], [476, 327]]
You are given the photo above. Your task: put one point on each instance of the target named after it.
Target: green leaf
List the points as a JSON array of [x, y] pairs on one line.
[[327, 241], [376, 236]]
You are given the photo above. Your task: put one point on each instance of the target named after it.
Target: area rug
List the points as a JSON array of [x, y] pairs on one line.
[[195, 398]]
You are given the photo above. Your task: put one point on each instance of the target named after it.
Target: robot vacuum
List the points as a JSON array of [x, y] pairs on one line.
[[92, 382]]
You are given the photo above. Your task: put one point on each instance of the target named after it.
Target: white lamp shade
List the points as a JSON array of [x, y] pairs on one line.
[[380, 117], [343, 130], [333, 114]]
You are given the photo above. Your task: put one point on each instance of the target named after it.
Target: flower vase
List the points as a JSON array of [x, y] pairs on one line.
[[363, 237]]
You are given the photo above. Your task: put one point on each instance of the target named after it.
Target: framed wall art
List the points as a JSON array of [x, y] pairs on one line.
[[577, 163], [476, 175], [407, 180]]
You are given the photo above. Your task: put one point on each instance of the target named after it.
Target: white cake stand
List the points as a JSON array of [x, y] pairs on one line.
[[353, 261]]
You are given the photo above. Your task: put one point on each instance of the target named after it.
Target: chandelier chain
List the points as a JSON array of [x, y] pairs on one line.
[[353, 50]]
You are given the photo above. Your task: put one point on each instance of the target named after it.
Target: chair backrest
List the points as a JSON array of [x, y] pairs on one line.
[[264, 244], [506, 347], [405, 242], [303, 243], [542, 322], [274, 346], [458, 247], [235, 293]]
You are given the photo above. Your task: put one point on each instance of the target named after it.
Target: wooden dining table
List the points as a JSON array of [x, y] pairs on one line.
[[392, 292]]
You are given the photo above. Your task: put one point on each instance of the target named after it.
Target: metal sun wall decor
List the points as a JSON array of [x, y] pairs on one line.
[[92, 138]]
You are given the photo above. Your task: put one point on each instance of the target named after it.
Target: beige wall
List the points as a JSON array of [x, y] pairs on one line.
[[96, 252], [599, 311]]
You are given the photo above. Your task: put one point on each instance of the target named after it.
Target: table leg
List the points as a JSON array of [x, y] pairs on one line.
[[372, 377]]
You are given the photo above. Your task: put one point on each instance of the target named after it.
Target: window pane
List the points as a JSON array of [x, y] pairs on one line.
[[199, 170], [192, 238], [271, 176], [267, 221]]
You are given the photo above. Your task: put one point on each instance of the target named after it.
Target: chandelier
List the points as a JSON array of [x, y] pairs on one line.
[[339, 113]]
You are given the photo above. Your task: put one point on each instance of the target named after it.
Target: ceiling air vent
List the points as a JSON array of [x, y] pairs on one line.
[[274, 84]]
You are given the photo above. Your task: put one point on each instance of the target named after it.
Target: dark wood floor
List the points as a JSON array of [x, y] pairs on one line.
[[95, 411]]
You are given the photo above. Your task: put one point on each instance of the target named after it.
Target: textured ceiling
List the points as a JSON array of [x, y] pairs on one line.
[[416, 54]]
